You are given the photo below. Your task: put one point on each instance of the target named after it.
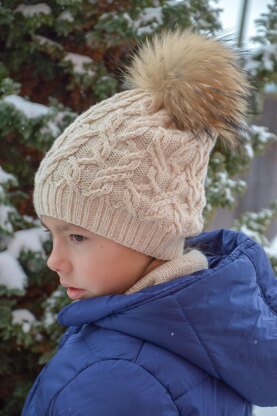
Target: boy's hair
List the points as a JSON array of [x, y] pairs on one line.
[[132, 168]]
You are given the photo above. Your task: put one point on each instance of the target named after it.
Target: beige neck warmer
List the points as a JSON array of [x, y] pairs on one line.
[[185, 265]]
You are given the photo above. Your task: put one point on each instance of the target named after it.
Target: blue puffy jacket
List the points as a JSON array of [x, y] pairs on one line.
[[204, 344]]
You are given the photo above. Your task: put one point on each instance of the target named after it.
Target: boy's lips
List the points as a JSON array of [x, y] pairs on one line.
[[75, 293]]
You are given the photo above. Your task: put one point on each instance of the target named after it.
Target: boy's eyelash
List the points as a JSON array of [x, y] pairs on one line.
[[77, 238]]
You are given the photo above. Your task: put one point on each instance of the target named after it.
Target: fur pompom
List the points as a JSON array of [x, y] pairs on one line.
[[197, 79]]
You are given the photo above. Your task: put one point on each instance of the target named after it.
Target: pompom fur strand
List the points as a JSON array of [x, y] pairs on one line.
[[197, 79]]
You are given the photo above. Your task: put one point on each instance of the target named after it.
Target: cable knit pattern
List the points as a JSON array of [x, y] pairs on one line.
[[124, 171], [191, 262]]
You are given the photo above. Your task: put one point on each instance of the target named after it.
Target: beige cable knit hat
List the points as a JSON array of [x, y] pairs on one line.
[[132, 168]]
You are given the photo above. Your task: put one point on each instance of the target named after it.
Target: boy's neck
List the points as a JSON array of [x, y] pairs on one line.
[[153, 265]]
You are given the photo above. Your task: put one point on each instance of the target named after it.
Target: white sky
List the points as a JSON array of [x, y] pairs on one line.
[[231, 15]]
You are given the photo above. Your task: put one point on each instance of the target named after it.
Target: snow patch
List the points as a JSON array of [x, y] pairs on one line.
[[249, 150], [269, 53], [30, 11], [272, 249], [147, 21], [24, 318], [252, 234], [78, 62], [11, 273], [273, 245], [29, 109], [5, 224], [42, 40], [30, 239], [6, 177], [263, 57], [150, 13], [262, 132], [49, 319], [66, 15], [264, 411], [55, 126]]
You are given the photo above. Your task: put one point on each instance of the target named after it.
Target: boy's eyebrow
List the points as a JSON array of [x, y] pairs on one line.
[[64, 227]]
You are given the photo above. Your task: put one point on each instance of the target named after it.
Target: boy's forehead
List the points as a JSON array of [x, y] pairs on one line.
[[59, 225]]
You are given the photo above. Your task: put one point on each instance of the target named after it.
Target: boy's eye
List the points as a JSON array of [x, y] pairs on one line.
[[78, 238]]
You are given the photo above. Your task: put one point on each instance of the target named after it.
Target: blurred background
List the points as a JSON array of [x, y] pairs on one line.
[[239, 17]]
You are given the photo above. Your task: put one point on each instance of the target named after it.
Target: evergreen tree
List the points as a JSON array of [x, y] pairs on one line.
[[262, 66], [57, 59]]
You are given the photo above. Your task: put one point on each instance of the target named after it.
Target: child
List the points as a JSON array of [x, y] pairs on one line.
[[163, 324]]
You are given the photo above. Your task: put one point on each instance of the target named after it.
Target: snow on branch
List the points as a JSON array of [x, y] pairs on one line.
[[78, 62], [31, 239], [32, 10], [29, 109], [24, 318], [6, 177], [11, 273]]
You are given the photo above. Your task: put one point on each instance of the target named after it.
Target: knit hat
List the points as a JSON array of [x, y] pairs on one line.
[[132, 168]]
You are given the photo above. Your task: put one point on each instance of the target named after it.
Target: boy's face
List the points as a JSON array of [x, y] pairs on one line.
[[90, 265]]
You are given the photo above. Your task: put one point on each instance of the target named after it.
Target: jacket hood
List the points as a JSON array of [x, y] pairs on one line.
[[223, 320]]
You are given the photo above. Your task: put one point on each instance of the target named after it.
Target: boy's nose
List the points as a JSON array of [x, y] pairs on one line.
[[58, 261]]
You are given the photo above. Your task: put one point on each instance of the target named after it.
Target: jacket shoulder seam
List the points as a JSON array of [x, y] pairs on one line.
[[55, 397], [199, 339], [193, 386]]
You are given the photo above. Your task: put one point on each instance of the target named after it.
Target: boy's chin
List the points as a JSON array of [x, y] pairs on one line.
[[78, 294]]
